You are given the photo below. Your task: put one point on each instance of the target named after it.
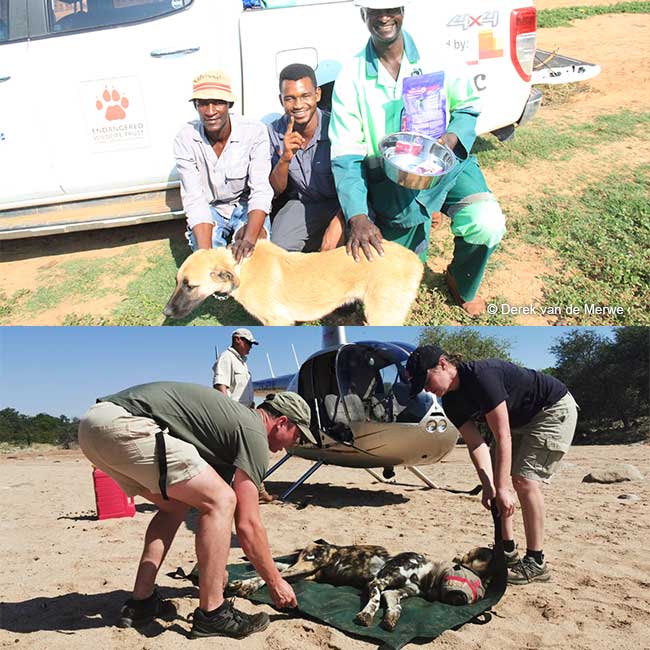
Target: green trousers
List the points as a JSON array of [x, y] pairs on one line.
[[476, 222]]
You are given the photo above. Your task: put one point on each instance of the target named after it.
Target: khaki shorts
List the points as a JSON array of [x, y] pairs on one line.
[[124, 446], [538, 447]]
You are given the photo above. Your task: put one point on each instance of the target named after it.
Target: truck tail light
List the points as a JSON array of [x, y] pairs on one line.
[[523, 32]]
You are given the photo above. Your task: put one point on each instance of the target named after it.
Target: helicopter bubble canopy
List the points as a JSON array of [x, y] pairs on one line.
[[354, 388], [373, 382]]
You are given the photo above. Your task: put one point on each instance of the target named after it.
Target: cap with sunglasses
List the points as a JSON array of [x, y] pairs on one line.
[[295, 408]]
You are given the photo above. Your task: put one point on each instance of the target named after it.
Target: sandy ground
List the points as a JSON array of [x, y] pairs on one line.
[[66, 574]]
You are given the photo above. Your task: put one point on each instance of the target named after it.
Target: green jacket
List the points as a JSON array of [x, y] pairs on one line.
[[367, 105]]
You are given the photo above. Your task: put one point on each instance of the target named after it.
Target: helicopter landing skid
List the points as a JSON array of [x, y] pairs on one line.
[[300, 481], [423, 477]]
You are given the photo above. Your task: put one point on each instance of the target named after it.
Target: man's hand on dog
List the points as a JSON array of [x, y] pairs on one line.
[[282, 594], [242, 248], [364, 234], [292, 142]]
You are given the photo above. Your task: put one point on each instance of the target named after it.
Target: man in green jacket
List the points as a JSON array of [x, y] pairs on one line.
[[367, 104]]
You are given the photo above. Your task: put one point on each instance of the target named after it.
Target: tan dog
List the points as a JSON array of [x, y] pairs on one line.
[[280, 288]]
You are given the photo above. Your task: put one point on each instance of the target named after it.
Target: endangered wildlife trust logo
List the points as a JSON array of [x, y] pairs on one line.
[[115, 113], [113, 103]]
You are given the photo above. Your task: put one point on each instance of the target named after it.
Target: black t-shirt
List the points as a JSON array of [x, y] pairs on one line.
[[485, 384]]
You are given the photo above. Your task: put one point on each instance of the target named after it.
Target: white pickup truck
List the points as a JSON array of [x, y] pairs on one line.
[[92, 92]]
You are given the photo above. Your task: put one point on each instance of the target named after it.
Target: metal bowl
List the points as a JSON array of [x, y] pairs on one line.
[[415, 161]]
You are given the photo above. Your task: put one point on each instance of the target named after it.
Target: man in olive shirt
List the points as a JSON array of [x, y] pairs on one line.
[[183, 445]]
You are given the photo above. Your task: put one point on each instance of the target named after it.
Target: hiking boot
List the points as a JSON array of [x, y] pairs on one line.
[[512, 558], [527, 570], [228, 622], [135, 613]]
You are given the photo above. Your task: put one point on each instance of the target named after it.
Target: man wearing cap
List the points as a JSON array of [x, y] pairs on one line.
[[231, 374], [533, 419], [232, 377], [311, 218], [184, 445], [367, 104], [224, 164]]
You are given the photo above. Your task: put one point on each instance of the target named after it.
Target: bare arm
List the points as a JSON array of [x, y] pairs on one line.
[[280, 175], [499, 423], [478, 452], [203, 235], [333, 235], [255, 543]]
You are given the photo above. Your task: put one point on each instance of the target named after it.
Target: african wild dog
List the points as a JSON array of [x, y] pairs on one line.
[[371, 569], [354, 566], [413, 574]]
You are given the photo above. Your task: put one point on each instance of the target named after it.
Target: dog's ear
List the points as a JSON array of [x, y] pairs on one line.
[[224, 276]]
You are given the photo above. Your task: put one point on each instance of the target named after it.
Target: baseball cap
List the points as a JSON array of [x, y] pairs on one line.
[[380, 4], [418, 364], [295, 408], [213, 84], [244, 333]]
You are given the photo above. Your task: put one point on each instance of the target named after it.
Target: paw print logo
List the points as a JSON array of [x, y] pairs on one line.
[[115, 104]]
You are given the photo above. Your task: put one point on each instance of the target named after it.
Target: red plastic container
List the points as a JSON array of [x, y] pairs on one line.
[[111, 501]]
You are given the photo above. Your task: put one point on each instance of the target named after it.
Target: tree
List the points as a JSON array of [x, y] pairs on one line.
[[627, 368], [17, 428], [580, 356], [609, 378], [468, 342]]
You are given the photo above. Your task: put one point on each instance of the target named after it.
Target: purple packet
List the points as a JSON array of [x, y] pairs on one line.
[[425, 104]]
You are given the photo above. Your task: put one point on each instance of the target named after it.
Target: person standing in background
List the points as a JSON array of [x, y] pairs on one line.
[[233, 378]]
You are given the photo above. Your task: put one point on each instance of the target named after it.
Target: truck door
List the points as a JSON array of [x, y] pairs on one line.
[[25, 166], [320, 35], [118, 75]]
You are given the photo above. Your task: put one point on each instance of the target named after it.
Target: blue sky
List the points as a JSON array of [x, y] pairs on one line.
[[61, 370]]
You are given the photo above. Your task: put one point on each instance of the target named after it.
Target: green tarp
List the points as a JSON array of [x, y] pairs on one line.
[[337, 606]]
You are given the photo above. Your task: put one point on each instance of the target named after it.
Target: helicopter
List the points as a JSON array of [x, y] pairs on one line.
[[363, 414]]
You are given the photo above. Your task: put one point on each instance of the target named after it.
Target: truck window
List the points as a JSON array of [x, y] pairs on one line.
[[4, 20], [77, 15]]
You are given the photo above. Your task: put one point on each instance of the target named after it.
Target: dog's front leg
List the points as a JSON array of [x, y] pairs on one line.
[[249, 586], [243, 588], [365, 616], [393, 611]]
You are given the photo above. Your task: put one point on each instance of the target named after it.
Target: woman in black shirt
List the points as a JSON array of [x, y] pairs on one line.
[[532, 417]]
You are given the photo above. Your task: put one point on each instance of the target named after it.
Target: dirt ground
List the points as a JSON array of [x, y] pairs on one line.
[[66, 574], [520, 268]]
